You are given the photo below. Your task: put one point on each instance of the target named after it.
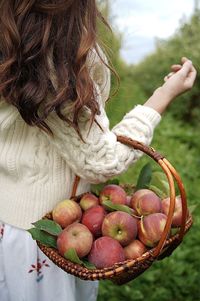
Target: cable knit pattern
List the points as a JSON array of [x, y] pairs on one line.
[[37, 171], [101, 156]]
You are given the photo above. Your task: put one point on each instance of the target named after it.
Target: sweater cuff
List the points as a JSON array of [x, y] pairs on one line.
[[148, 113]]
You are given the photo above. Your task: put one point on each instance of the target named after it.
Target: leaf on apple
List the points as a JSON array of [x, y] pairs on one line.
[[144, 178], [96, 188], [71, 255], [116, 207], [159, 180], [88, 265], [43, 237], [157, 191], [48, 226]]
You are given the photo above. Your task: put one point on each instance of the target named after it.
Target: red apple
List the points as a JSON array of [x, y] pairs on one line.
[[88, 200], [66, 212], [113, 193], [105, 252], [93, 219], [150, 228], [75, 236], [128, 200], [120, 226], [134, 250], [145, 202], [177, 217]]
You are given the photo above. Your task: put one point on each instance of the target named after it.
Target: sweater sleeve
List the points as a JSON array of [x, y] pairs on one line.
[[101, 156]]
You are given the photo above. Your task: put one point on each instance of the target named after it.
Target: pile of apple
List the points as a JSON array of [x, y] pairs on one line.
[[105, 237]]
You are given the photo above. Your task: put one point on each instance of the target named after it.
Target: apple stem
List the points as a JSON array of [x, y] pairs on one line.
[[136, 216], [105, 198]]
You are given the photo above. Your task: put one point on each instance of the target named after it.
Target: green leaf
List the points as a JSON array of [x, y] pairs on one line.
[[144, 177], [96, 188], [116, 207], [160, 181], [43, 237], [88, 265], [159, 192], [72, 256], [166, 188], [48, 226]]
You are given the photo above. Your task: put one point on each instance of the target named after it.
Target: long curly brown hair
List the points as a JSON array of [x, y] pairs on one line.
[[32, 31]]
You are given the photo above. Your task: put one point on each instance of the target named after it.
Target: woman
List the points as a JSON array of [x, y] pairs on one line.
[[54, 82]]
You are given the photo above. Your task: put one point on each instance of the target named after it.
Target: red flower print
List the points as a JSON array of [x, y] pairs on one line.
[[38, 268]]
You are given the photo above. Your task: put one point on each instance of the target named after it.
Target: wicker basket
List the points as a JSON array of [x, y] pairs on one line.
[[125, 271]]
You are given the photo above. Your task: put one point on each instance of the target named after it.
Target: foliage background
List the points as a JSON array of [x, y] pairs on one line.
[[176, 278]]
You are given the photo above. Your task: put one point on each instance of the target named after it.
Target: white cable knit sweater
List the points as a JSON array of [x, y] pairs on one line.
[[37, 171]]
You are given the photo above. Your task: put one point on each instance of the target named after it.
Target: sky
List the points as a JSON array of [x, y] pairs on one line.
[[142, 21]]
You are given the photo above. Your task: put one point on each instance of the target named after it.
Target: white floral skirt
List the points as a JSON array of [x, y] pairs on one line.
[[26, 274]]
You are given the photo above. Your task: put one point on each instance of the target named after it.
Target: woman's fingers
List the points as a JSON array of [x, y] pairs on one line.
[[186, 68], [192, 72], [176, 67], [188, 72], [184, 59], [191, 77]]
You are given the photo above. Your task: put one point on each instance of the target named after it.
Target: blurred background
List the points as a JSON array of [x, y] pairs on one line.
[[148, 37]]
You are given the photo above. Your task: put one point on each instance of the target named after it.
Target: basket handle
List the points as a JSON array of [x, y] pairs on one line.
[[75, 186], [171, 174]]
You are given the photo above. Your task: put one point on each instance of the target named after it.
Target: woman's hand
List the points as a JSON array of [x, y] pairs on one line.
[[180, 80]]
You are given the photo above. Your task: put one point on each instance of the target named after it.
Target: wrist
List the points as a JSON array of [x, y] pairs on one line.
[[168, 91], [164, 94], [159, 100]]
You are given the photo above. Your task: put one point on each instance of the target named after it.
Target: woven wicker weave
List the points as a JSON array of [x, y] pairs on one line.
[[125, 271]]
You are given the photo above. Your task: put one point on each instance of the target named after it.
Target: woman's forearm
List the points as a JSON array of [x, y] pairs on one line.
[[159, 101]]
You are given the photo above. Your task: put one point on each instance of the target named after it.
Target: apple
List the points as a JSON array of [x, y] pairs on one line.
[[145, 202], [88, 200], [135, 249], [177, 216], [120, 226], [128, 200], [105, 252], [75, 236], [93, 219], [113, 193], [150, 228], [66, 212]]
